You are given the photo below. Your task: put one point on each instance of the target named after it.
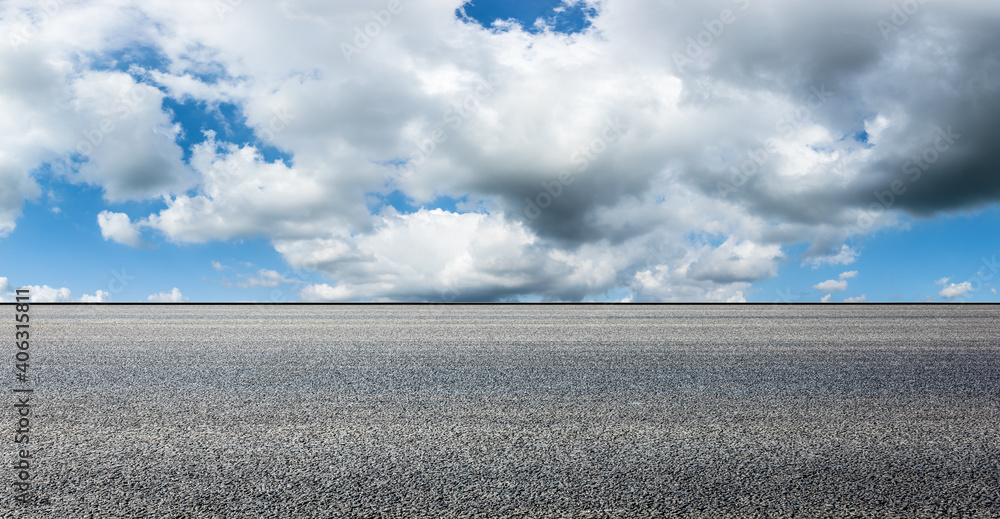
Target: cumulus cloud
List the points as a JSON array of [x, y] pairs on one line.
[[831, 285], [129, 142], [243, 195], [733, 262], [860, 299], [790, 128], [47, 294], [956, 290], [661, 284], [826, 298], [849, 275], [99, 297], [118, 227], [6, 291], [174, 296]]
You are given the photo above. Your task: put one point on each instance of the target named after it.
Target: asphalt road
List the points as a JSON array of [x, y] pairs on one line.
[[511, 411]]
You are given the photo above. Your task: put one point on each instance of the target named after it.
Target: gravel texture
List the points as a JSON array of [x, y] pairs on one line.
[[513, 411]]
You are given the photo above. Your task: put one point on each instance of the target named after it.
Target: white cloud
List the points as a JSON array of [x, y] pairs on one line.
[[47, 294], [849, 275], [738, 297], [826, 298], [325, 292], [174, 296], [737, 261], [118, 227], [241, 195], [831, 285], [660, 284], [218, 266], [99, 297], [15, 187], [956, 290], [441, 255], [860, 299], [942, 281]]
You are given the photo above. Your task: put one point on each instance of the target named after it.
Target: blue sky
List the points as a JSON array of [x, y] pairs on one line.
[[568, 19], [573, 152]]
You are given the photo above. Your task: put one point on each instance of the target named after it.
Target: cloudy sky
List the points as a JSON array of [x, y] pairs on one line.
[[525, 150]]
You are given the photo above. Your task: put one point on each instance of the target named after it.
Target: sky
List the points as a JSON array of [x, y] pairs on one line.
[[521, 150]]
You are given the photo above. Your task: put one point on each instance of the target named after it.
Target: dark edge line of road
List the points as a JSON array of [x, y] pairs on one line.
[[299, 303]]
